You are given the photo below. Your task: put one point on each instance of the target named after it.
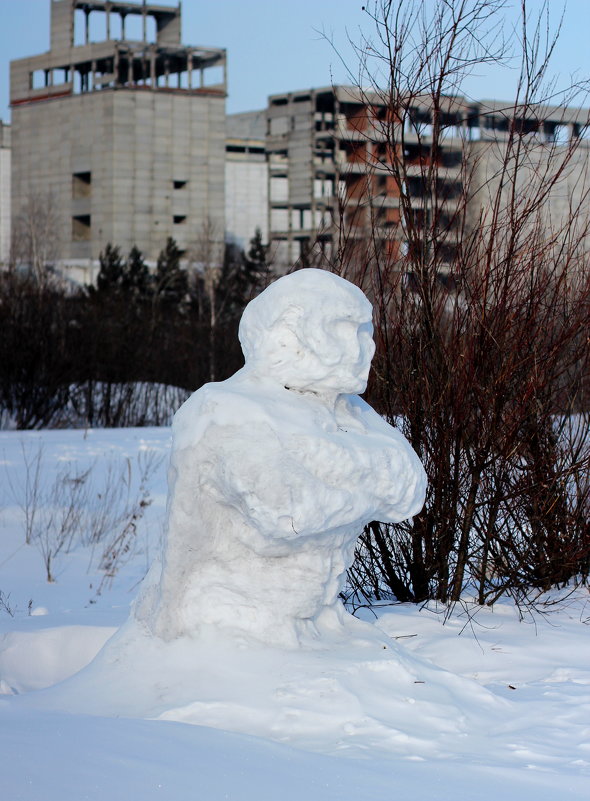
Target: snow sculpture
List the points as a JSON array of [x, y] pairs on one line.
[[275, 471]]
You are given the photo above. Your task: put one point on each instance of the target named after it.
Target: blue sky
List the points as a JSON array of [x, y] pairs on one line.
[[277, 45]]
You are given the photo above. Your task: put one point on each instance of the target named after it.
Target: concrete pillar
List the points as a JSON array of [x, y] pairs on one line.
[[153, 69]]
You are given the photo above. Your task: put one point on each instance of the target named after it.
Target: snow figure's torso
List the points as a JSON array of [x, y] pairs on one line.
[[275, 471], [269, 490]]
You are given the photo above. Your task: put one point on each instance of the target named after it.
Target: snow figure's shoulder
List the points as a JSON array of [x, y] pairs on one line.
[[224, 403]]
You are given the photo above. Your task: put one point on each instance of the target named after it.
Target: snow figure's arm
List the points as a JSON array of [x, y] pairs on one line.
[[273, 481], [395, 480], [287, 486]]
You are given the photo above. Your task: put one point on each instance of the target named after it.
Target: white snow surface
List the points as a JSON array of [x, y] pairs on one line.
[[237, 674], [379, 732]]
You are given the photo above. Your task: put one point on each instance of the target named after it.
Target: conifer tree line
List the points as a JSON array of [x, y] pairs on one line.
[[128, 349]]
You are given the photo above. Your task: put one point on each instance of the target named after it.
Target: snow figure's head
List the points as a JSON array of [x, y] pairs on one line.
[[311, 331]]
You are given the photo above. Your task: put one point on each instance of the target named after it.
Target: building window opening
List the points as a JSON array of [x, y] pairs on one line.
[[80, 27], [82, 81], [182, 80], [179, 184], [133, 28], [81, 230], [179, 219], [81, 184], [39, 79], [213, 76]]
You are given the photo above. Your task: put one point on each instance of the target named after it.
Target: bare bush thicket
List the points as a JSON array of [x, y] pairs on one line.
[[482, 301]]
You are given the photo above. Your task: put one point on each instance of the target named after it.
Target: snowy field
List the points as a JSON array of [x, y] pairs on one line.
[[486, 706]]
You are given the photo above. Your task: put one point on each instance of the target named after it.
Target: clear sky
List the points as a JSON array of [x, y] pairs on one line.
[[277, 45]]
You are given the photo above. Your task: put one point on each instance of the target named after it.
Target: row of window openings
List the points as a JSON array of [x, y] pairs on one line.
[[354, 185], [82, 184], [105, 26], [82, 226], [548, 131], [130, 72]]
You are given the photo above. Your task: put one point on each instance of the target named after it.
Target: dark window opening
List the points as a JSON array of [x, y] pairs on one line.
[[81, 184], [179, 184], [81, 229], [524, 126], [179, 218]]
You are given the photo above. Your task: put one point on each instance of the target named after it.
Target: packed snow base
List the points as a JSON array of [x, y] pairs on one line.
[[446, 740]]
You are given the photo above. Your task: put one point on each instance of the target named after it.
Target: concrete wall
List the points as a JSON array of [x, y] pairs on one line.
[[134, 145], [246, 199], [540, 162]]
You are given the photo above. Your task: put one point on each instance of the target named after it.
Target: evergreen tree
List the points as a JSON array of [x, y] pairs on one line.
[[112, 266], [136, 276], [256, 266], [253, 272], [171, 282]]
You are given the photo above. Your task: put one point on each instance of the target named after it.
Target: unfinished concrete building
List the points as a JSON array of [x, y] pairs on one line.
[[5, 155], [329, 171], [246, 178], [122, 137]]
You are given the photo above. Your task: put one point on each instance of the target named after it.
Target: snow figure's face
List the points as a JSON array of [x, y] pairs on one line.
[[310, 331]]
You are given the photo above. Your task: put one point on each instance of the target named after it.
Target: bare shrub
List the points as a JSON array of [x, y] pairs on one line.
[[121, 540], [482, 297], [76, 509]]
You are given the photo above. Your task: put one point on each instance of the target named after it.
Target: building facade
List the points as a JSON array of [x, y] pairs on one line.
[[122, 140], [246, 178], [329, 158]]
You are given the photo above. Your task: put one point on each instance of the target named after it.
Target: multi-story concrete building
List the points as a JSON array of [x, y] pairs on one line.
[[246, 178], [329, 164], [123, 138], [4, 192]]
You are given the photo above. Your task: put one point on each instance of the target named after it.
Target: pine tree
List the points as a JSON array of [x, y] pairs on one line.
[[136, 276], [257, 267], [253, 273], [171, 283], [110, 275]]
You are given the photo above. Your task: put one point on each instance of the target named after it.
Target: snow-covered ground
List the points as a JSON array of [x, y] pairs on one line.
[[485, 705]]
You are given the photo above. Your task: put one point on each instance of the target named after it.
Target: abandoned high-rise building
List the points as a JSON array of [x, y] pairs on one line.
[[119, 132], [330, 168]]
